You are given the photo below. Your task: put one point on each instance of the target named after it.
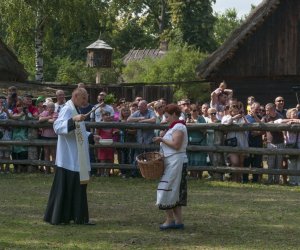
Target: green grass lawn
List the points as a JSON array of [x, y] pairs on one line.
[[219, 215]]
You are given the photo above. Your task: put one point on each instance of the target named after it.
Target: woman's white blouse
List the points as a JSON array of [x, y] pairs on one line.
[[168, 151]]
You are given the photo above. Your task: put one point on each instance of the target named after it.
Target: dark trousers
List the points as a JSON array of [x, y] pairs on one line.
[[254, 161], [125, 157], [20, 156], [92, 160], [67, 200]]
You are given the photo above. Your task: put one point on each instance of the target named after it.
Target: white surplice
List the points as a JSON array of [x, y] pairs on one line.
[[67, 150]]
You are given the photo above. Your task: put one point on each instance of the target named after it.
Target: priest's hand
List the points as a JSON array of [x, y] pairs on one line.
[[79, 118]]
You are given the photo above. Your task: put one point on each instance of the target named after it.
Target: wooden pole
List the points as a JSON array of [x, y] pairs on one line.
[[98, 76]]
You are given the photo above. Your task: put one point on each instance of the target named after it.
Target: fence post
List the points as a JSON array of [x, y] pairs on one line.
[[218, 158]]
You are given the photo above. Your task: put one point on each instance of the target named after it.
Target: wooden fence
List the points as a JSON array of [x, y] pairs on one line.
[[217, 149]]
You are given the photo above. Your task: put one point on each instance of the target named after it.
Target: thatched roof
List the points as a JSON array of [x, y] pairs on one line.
[[236, 39], [139, 54], [10, 68]]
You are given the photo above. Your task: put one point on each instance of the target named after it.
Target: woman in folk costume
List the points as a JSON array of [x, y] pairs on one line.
[[172, 188], [68, 198]]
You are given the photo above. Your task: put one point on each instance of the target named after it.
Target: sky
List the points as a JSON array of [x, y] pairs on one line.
[[242, 6]]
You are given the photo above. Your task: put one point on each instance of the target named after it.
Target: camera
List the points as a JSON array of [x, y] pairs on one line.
[[25, 110]]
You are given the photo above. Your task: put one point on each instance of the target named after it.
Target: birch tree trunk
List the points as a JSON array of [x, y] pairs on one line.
[[162, 18], [39, 35]]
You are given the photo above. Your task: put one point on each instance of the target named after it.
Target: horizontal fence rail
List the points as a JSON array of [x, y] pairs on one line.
[[217, 149], [202, 126]]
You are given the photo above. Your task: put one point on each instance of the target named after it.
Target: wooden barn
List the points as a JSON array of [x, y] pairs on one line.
[[262, 56], [10, 68]]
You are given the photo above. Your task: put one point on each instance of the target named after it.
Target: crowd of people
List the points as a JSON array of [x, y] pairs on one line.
[[223, 108]]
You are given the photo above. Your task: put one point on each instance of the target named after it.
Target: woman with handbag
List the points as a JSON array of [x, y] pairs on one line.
[[292, 140], [236, 139], [172, 188]]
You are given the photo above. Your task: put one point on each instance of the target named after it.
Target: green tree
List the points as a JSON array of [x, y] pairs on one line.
[[43, 29], [225, 24], [192, 23], [53, 34], [73, 71], [178, 65]]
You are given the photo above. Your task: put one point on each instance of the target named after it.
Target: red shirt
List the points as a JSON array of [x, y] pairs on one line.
[[33, 110]]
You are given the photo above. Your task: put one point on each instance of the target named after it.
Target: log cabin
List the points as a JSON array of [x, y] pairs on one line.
[[261, 58]]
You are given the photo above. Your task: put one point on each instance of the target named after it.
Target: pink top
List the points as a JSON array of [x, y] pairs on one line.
[[49, 132], [106, 133]]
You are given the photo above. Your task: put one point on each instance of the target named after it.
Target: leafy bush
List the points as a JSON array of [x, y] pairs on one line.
[[70, 71], [110, 99], [178, 65]]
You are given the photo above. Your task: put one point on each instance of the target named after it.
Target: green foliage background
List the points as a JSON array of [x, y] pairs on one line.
[[178, 65], [190, 27]]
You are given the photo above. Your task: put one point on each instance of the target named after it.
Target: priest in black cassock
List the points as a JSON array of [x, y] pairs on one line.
[[68, 198]]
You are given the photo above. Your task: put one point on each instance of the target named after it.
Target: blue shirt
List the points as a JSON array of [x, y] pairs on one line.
[[144, 135], [254, 141]]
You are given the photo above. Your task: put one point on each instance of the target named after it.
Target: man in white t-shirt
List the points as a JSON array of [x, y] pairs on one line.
[[96, 116]]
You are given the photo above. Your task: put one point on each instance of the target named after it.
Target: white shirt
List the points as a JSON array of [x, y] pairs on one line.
[[58, 107], [67, 153], [97, 115], [168, 151]]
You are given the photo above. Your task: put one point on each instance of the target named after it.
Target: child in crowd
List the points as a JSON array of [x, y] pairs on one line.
[[250, 101], [48, 133], [105, 155]]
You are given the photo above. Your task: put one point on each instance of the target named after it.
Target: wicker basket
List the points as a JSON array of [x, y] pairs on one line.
[[151, 165]]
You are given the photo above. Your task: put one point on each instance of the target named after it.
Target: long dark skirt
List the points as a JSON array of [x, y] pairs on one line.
[[67, 200]]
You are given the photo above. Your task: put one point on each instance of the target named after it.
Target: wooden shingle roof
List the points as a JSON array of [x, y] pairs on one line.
[[99, 44], [236, 39], [139, 54], [10, 67]]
